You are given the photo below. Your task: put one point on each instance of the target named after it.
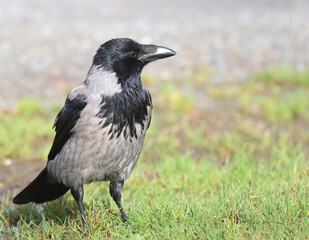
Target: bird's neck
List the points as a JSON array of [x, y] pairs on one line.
[[132, 82], [102, 82]]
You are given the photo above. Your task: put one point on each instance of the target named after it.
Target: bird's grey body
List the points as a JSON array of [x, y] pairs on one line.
[[100, 130], [86, 154]]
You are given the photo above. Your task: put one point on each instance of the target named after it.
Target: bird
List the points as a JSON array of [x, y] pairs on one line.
[[100, 130]]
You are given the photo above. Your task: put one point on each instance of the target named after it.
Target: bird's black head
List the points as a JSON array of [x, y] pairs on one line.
[[126, 57]]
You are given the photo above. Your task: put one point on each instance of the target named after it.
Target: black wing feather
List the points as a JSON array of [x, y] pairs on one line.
[[65, 121]]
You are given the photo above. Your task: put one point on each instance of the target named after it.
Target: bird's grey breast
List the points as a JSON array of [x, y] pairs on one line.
[[119, 127], [107, 138]]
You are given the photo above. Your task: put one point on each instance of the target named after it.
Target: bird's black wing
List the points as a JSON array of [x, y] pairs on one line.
[[65, 121]]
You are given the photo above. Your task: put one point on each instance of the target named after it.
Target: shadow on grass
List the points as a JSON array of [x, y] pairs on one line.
[[57, 218], [59, 211]]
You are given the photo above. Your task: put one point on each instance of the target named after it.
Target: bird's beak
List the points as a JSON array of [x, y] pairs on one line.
[[151, 53]]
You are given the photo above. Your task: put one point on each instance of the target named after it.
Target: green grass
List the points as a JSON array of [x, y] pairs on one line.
[[285, 74], [25, 130], [179, 198], [235, 169]]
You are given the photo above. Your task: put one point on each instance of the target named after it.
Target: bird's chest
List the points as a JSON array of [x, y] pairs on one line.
[[105, 143], [123, 114], [114, 136]]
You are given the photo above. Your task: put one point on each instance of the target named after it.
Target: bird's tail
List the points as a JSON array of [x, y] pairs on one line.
[[40, 190]]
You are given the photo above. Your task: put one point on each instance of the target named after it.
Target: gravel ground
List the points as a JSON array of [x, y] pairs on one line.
[[47, 46]]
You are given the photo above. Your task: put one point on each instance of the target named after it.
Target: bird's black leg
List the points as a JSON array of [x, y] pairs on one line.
[[78, 194], [115, 188]]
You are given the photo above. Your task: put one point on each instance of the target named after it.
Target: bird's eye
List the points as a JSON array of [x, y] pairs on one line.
[[132, 54]]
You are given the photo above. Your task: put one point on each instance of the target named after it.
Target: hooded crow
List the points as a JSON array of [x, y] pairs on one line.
[[101, 128]]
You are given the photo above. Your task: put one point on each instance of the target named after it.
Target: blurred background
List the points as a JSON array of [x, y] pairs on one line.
[[46, 46], [239, 81]]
